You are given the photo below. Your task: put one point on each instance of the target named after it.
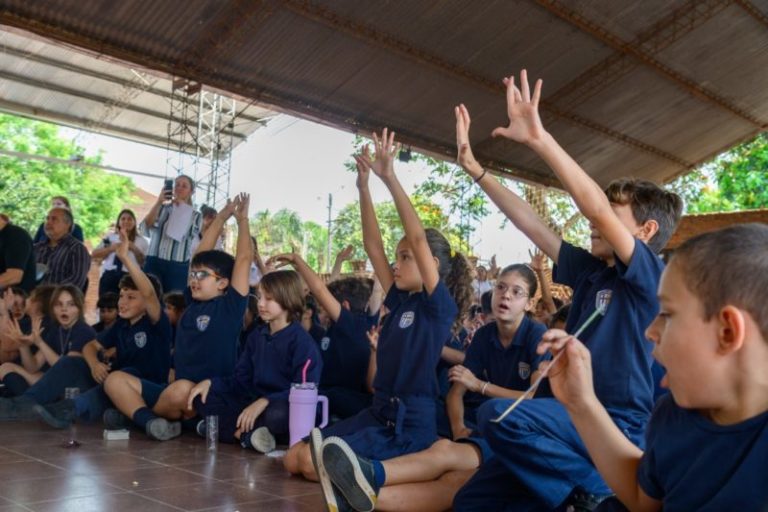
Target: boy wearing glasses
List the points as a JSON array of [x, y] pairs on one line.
[[206, 335]]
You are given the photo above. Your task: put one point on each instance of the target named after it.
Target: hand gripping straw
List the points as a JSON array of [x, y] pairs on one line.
[[600, 310]]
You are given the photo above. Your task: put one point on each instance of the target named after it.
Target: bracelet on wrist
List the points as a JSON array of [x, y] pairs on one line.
[[482, 175], [485, 386]]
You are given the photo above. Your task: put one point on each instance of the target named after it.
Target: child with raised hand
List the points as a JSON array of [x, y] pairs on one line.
[[252, 404], [422, 311], [206, 336], [707, 441], [344, 345], [140, 338], [631, 222], [58, 356], [501, 361]]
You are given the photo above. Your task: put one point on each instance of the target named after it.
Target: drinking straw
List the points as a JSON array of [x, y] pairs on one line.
[[304, 371], [597, 312]]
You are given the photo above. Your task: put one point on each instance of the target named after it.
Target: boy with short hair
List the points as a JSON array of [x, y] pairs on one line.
[[707, 443], [631, 222], [206, 336], [107, 305], [344, 347], [140, 340]]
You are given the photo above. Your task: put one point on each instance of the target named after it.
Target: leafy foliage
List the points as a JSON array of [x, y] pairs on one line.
[[26, 186]]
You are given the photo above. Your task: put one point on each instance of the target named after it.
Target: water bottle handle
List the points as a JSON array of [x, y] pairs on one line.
[[323, 400]]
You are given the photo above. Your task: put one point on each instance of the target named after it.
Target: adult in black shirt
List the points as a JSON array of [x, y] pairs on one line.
[[17, 260]]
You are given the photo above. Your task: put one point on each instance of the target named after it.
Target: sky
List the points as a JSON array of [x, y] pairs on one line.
[[304, 162]]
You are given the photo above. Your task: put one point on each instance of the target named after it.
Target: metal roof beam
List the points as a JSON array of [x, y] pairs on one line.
[[602, 34], [753, 11]]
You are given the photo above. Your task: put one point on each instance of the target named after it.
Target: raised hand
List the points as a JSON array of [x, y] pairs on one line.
[[229, 209], [280, 260], [121, 249], [523, 111], [345, 254], [464, 157], [242, 203], [363, 168], [538, 261], [386, 150]]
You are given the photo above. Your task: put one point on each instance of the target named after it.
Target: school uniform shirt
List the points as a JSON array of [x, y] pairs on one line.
[[207, 336], [270, 363], [691, 463], [143, 346], [621, 354], [110, 261], [411, 339], [509, 367], [62, 340], [346, 351]]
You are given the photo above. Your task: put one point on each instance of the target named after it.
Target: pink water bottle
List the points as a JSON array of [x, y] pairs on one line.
[[302, 411]]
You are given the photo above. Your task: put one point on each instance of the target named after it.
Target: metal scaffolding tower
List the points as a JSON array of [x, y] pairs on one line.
[[200, 140]]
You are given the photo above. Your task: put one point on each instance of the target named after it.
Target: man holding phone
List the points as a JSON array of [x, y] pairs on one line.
[[172, 226]]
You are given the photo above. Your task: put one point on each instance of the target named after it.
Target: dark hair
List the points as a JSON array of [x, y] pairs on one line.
[[218, 261], [485, 302], [561, 315], [286, 289], [42, 295], [176, 300], [455, 270], [207, 211], [127, 283], [19, 291], [526, 273], [76, 294], [310, 304], [648, 202], [132, 233], [355, 290], [108, 301], [62, 199], [253, 304], [728, 266]]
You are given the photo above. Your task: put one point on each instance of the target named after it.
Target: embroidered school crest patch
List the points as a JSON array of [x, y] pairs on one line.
[[202, 322], [602, 300], [406, 319], [325, 343], [523, 370], [140, 339]]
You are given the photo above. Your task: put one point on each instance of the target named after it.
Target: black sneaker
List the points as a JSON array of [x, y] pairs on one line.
[[582, 501], [352, 475], [161, 429], [58, 415], [334, 500], [115, 420]]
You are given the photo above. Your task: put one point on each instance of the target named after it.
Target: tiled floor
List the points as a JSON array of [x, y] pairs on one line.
[[38, 474]]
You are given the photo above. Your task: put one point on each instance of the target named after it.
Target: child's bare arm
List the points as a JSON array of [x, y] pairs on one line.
[[615, 457], [208, 242], [241, 270], [372, 242], [315, 284], [538, 263], [140, 279], [341, 257], [525, 127], [513, 206]]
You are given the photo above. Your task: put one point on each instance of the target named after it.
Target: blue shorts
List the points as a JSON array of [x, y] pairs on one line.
[[151, 391], [481, 444]]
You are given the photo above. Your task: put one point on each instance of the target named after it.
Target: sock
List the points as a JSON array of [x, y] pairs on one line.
[[379, 475], [142, 416], [15, 385]]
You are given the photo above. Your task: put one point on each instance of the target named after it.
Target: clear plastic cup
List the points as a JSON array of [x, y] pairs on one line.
[[212, 432], [72, 442]]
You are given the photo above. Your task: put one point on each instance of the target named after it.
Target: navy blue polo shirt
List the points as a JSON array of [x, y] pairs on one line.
[[346, 351], [691, 463], [271, 363], [621, 354], [143, 346], [63, 340], [509, 367], [411, 339], [207, 336]]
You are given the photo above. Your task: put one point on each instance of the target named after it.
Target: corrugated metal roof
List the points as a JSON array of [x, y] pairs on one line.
[[68, 86], [648, 88]]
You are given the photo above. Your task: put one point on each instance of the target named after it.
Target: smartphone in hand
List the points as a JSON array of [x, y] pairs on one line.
[[168, 189]]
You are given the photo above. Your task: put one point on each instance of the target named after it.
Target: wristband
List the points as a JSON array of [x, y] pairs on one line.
[[482, 175], [485, 386]]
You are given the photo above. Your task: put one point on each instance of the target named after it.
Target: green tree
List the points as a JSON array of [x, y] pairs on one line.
[[285, 231], [26, 185], [735, 180]]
